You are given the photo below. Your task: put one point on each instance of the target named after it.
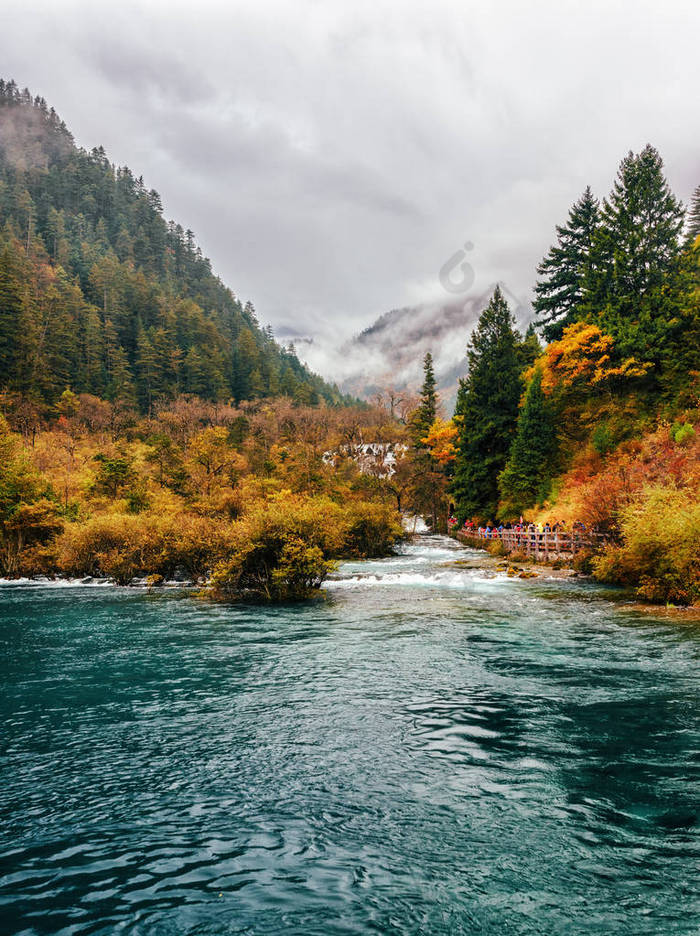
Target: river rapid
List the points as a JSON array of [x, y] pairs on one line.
[[433, 749]]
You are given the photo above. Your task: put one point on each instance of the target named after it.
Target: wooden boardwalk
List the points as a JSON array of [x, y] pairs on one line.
[[553, 545]]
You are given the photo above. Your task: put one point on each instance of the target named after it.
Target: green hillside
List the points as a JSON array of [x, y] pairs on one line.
[[102, 295]]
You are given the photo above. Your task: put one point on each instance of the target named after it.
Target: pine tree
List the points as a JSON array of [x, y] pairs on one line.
[[529, 348], [637, 293], [531, 463], [565, 272], [638, 238], [487, 410], [92, 364], [119, 382], [424, 416], [147, 372], [693, 229], [10, 312], [429, 477]]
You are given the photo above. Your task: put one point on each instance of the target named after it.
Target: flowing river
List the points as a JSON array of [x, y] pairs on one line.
[[433, 749]]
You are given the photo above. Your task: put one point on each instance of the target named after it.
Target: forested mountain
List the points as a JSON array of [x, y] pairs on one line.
[[388, 354], [100, 294]]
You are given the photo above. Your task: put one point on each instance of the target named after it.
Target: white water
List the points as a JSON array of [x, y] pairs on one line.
[[430, 562]]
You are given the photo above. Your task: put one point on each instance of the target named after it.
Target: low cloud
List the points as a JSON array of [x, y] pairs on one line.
[[331, 157]]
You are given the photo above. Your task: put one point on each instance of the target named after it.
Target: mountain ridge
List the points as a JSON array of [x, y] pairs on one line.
[[389, 352], [100, 294]]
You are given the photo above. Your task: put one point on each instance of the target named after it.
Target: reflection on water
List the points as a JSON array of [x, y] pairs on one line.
[[434, 749]]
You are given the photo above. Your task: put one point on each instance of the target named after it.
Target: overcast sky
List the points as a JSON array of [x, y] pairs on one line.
[[330, 157]]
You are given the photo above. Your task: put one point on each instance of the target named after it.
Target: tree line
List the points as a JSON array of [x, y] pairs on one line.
[[617, 303], [606, 378], [101, 295]]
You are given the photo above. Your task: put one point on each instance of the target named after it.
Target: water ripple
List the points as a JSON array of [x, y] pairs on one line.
[[431, 750]]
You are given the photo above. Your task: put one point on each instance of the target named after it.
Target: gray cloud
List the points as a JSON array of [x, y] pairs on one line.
[[148, 72], [331, 156]]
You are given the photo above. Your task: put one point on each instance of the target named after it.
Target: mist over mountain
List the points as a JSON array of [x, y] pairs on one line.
[[389, 353]]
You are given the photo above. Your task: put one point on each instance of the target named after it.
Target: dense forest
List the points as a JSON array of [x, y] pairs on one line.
[[152, 429], [599, 426], [100, 295]]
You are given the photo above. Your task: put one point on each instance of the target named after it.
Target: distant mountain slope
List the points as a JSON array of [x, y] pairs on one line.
[[100, 294], [390, 352]]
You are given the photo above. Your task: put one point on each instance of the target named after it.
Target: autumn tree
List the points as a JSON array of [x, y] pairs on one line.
[[584, 361], [440, 441], [588, 383], [28, 514], [212, 459]]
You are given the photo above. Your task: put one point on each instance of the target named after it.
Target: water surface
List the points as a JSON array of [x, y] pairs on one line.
[[433, 749]]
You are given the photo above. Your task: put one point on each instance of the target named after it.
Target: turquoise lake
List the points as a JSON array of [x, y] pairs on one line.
[[432, 749]]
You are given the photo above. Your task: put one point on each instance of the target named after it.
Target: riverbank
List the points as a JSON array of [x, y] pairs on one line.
[[611, 564], [557, 559], [238, 500]]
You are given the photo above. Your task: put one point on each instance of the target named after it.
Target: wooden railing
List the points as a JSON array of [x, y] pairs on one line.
[[550, 545]]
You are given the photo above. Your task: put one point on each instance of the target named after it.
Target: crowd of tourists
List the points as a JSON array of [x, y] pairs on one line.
[[493, 531]]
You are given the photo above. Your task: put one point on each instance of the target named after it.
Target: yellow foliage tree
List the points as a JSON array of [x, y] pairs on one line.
[[440, 440], [584, 357]]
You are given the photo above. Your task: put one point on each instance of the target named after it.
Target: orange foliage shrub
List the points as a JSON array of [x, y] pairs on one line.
[[597, 488], [127, 546], [660, 548]]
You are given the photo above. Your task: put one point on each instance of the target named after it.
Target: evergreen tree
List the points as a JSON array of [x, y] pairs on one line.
[[637, 248], [10, 312], [529, 348], [640, 226], [424, 416], [565, 272], [487, 410], [429, 478], [91, 369], [693, 230], [531, 463]]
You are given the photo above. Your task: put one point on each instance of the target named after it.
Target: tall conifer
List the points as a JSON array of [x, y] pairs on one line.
[[641, 223], [565, 272], [531, 462], [693, 220], [636, 292], [487, 410], [428, 488], [424, 416]]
